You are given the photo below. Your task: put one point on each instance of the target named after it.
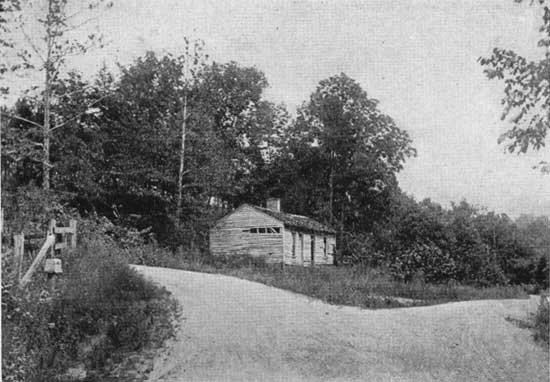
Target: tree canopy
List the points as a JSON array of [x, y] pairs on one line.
[[354, 149], [526, 98], [117, 152]]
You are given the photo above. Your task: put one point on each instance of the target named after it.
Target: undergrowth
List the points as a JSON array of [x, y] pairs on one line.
[[100, 312]]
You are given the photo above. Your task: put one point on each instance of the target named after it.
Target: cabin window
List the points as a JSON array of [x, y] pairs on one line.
[[263, 230], [293, 245], [325, 253]]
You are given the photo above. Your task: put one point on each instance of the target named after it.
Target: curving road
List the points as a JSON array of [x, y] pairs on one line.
[[237, 330]]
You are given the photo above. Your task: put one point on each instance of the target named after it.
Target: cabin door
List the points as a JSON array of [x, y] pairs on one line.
[[312, 249], [301, 248]]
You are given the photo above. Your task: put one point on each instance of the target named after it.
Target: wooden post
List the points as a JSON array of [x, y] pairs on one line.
[[18, 251], [51, 231], [72, 226], [50, 241]]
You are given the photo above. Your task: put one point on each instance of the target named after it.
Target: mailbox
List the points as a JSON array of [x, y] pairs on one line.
[[53, 266]]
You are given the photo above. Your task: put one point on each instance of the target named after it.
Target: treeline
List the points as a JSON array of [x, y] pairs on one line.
[[463, 244], [116, 151]]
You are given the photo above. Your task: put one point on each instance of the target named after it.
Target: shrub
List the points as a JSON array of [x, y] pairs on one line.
[[425, 261], [360, 249], [540, 321]]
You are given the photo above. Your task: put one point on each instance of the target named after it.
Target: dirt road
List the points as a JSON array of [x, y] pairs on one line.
[[236, 330]]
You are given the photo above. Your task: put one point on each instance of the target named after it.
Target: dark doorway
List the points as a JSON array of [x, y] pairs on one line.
[[312, 249]]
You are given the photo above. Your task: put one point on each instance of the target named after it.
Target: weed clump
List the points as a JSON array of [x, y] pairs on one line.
[[540, 321]]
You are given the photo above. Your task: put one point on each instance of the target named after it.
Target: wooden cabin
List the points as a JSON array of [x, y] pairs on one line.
[[275, 235]]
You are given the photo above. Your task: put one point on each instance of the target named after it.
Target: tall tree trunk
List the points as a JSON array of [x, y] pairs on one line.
[[46, 143], [47, 90], [182, 159], [331, 189]]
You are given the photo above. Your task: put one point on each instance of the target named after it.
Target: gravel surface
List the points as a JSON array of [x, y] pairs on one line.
[[237, 330]]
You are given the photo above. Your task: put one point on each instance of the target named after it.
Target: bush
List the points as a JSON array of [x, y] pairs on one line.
[[542, 273], [360, 249], [425, 261], [540, 321]]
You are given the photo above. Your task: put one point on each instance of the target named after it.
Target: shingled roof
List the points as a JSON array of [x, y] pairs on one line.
[[297, 221]]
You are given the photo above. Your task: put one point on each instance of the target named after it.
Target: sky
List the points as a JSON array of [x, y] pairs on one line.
[[418, 58]]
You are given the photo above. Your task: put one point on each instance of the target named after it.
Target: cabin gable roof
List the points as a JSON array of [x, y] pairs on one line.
[[298, 222]]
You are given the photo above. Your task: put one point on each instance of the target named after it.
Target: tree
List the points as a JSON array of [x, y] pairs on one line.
[[142, 140], [242, 124], [76, 149], [155, 116], [360, 148], [193, 60], [7, 9], [48, 54], [527, 92]]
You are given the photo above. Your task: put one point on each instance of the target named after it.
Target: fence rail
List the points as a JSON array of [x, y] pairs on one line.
[[57, 238]]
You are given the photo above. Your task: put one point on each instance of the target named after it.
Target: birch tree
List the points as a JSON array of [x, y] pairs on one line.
[[193, 60], [49, 33]]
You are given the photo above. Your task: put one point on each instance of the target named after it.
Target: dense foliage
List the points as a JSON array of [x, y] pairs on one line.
[[335, 161], [464, 244], [99, 312]]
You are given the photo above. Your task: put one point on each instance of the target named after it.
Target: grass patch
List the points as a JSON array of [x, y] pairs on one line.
[[343, 285]]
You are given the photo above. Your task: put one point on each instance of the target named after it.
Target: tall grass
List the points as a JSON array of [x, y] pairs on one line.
[[343, 285], [101, 311]]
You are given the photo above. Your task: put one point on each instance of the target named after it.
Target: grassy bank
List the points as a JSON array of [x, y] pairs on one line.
[[101, 315], [355, 286]]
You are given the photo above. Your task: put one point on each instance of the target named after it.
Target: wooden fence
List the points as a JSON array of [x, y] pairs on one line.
[[57, 239]]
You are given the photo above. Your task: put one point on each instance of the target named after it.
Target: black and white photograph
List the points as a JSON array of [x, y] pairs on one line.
[[275, 190]]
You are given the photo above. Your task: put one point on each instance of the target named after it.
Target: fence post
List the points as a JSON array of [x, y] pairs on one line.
[[72, 226], [51, 231], [18, 251]]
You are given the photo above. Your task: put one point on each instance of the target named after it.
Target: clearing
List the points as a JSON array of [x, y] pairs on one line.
[[237, 330]]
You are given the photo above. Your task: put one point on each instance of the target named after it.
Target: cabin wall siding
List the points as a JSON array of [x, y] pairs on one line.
[[320, 249], [227, 236], [289, 259]]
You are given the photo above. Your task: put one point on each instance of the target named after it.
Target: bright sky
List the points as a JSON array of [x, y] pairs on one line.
[[419, 58]]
